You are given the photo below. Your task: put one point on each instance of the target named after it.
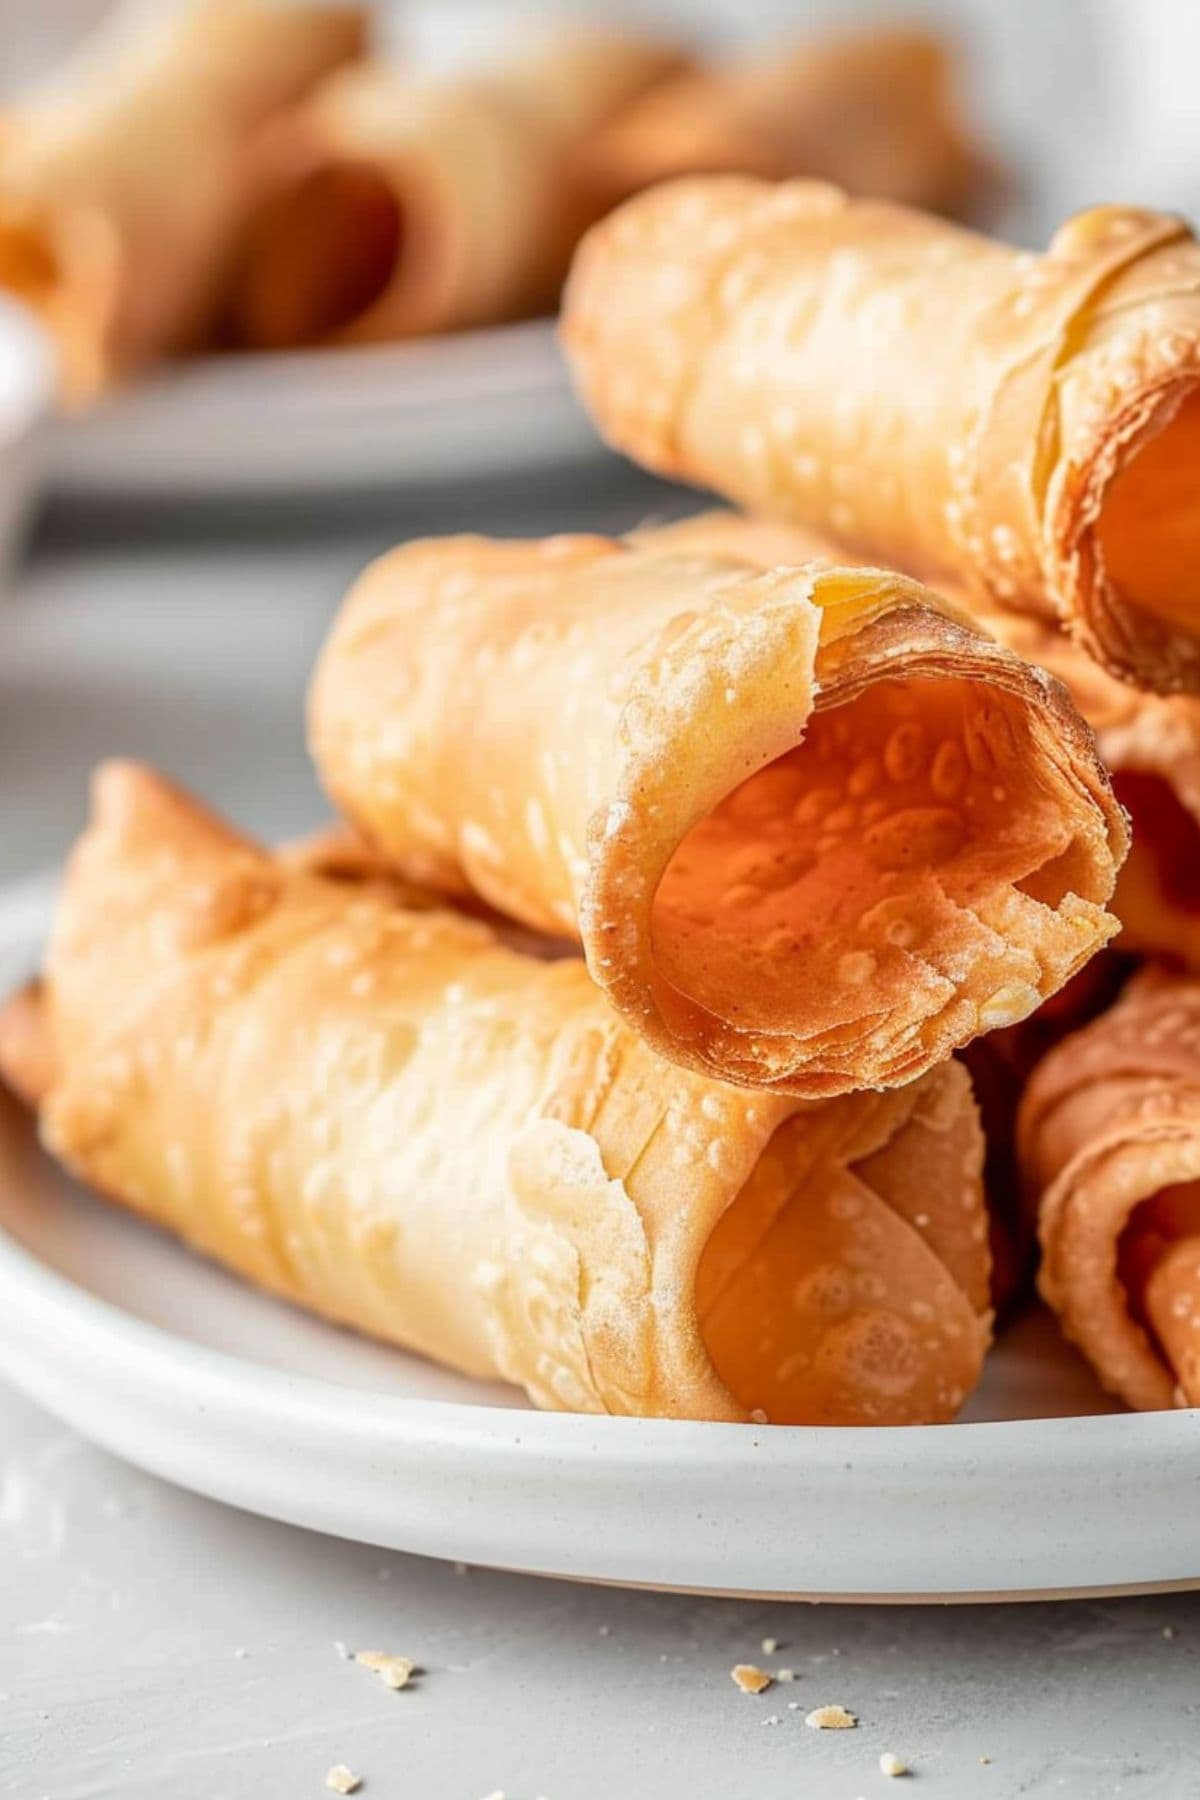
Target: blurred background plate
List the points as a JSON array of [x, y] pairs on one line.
[[463, 407]]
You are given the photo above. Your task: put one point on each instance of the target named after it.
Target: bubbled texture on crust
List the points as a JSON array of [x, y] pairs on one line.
[[935, 399], [647, 745], [391, 1118]]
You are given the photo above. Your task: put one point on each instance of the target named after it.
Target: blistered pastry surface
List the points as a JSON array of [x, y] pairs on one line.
[[932, 398], [388, 1116], [813, 828]]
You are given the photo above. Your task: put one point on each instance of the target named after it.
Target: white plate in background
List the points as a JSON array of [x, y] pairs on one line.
[[461, 407], [177, 1366]]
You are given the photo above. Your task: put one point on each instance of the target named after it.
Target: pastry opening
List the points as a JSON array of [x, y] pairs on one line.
[[29, 268], [1148, 531], [318, 256], [1166, 840], [820, 1300], [872, 852], [1158, 1263]]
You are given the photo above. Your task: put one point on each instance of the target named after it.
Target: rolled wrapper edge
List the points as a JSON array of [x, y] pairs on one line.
[[392, 1119], [741, 335]]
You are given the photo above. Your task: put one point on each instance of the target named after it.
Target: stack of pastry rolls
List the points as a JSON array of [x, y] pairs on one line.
[[1024, 431], [612, 1050], [811, 829]]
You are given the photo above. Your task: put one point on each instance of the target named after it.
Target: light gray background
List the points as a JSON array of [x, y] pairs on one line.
[[154, 1646]]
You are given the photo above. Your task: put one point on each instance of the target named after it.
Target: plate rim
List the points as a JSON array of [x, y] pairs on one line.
[[29, 1285], [290, 425]]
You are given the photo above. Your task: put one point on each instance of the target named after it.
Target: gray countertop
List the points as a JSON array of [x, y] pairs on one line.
[[154, 1644]]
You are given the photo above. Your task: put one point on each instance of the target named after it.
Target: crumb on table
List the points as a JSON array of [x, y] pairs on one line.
[[342, 1780], [393, 1671], [831, 1718], [750, 1679]]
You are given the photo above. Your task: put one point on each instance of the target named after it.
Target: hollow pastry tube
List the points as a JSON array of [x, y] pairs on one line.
[[874, 110], [1027, 425], [393, 206], [1110, 1144], [1150, 743], [814, 829], [391, 1118], [124, 176]]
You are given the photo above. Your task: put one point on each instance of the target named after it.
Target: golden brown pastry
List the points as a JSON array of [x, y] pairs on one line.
[[1000, 1065], [389, 1117], [395, 206], [872, 108], [1028, 425], [1150, 743], [1110, 1143], [813, 829], [123, 177]]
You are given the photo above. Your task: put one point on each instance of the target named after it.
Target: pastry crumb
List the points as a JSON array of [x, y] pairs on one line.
[[758, 1416], [241, 1653], [751, 1680], [831, 1718], [772, 1719], [794, 1705], [393, 1671], [342, 1780], [340, 1650], [985, 1759], [1168, 1631], [891, 1765], [770, 1646], [785, 1674]]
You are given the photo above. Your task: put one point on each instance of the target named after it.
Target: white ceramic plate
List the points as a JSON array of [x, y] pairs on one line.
[[459, 407], [26, 395], [177, 1366]]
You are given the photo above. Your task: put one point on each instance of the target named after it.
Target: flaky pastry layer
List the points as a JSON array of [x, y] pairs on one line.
[[1150, 743], [1029, 425], [1109, 1141], [390, 1117], [814, 830]]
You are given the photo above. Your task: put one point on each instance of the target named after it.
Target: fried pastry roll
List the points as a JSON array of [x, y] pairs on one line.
[[395, 206], [1110, 1143], [874, 110], [388, 1116], [124, 176], [1027, 425], [814, 830], [1150, 743]]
